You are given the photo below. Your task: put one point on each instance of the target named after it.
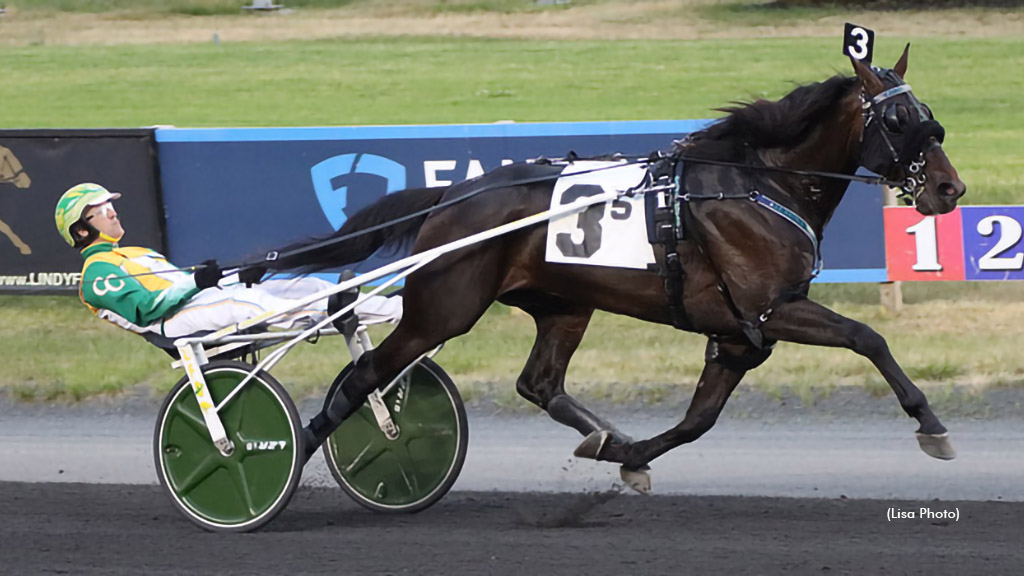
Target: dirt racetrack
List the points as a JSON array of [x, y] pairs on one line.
[[131, 529], [78, 496]]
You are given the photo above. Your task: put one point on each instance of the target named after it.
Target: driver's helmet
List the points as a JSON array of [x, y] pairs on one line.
[[74, 202]]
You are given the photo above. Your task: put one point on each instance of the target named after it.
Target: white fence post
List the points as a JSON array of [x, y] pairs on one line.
[[262, 5], [891, 292]]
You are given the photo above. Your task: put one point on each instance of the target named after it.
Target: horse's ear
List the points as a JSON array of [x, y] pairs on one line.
[[901, 66], [872, 85]]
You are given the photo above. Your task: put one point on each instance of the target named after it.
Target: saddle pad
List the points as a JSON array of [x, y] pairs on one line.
[[612, 234]]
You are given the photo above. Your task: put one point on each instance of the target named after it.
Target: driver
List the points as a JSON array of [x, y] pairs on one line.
[[137, 289]]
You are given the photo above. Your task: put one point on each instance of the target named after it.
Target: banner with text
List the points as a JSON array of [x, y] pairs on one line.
[[37, 166], [233, 194]]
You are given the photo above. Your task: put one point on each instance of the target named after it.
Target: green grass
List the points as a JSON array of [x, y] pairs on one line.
[[419, 80]]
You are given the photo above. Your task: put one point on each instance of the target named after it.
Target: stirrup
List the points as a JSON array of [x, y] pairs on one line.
[[346, 323]]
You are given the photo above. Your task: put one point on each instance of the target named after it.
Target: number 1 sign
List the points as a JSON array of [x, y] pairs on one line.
[[923, 247], [970, 243]]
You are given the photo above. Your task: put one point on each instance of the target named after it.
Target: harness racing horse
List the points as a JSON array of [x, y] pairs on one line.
[[747, 270]]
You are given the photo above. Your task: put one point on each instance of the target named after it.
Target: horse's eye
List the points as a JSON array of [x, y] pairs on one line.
[[893, 120], [927, 111]]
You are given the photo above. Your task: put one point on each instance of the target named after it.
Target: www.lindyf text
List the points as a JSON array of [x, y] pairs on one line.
[[922, 514]]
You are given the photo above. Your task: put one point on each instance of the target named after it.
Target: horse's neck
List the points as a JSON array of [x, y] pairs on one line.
[[831, 146]]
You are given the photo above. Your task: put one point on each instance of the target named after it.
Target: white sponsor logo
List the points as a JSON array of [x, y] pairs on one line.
[[433, 168], [266, 445]]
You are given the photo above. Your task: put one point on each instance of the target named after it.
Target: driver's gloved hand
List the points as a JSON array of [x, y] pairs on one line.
[[252, 275], [208, 274]]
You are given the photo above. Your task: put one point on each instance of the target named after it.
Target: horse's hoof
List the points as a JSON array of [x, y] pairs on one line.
[[592, 445], [639, 480], [936, 445]]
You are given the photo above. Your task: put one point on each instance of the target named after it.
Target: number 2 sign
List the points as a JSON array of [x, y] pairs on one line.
[[970, 243], [992, 242]]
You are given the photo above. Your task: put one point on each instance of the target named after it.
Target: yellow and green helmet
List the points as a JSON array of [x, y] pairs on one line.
[[74, 202]]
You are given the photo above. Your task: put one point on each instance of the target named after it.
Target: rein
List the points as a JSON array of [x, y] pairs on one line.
[[274, 255]]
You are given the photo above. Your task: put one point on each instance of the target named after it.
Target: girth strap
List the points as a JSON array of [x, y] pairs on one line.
[[673, 276]]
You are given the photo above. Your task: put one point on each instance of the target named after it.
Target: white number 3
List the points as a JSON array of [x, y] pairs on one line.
[[859, 49]]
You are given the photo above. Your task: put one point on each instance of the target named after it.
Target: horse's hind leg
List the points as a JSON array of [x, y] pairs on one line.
[[807, 322], [560, 327], [431, 317], [724, 367]]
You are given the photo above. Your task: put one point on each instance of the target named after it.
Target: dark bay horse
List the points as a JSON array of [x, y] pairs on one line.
[[747, 270]]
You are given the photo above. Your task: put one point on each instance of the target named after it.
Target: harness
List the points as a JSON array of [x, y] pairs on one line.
[[667, 227], [669, 218]]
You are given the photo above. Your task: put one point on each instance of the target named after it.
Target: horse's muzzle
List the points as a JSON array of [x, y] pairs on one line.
[[944, 187]]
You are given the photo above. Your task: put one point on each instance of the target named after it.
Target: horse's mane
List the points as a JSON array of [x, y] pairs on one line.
[[766, 123]]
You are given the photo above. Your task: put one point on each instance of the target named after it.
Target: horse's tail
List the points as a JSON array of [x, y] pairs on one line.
[[321, 253]]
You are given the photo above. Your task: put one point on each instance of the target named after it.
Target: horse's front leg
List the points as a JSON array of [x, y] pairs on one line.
[[726, 362], [806, 322]]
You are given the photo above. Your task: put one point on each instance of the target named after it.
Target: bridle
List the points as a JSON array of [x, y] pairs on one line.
[[886, 117]]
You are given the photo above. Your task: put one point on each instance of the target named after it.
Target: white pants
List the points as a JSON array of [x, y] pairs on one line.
[[216, 308]]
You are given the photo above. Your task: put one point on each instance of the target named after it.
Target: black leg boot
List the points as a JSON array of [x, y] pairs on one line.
[[338, 407], [325, 423]]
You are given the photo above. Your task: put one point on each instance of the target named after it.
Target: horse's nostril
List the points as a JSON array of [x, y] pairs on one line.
[[956, 189]]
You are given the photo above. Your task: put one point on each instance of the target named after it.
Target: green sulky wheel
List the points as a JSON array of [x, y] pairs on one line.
[[248, 488], [417, 468]]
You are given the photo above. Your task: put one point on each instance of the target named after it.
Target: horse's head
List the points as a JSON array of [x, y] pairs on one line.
[[902, 141]]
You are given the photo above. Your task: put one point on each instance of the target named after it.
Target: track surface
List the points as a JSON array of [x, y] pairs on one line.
[[781, 493], [115, 529]]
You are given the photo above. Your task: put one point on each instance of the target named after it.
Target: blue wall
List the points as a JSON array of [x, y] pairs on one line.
[[233, 194]]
